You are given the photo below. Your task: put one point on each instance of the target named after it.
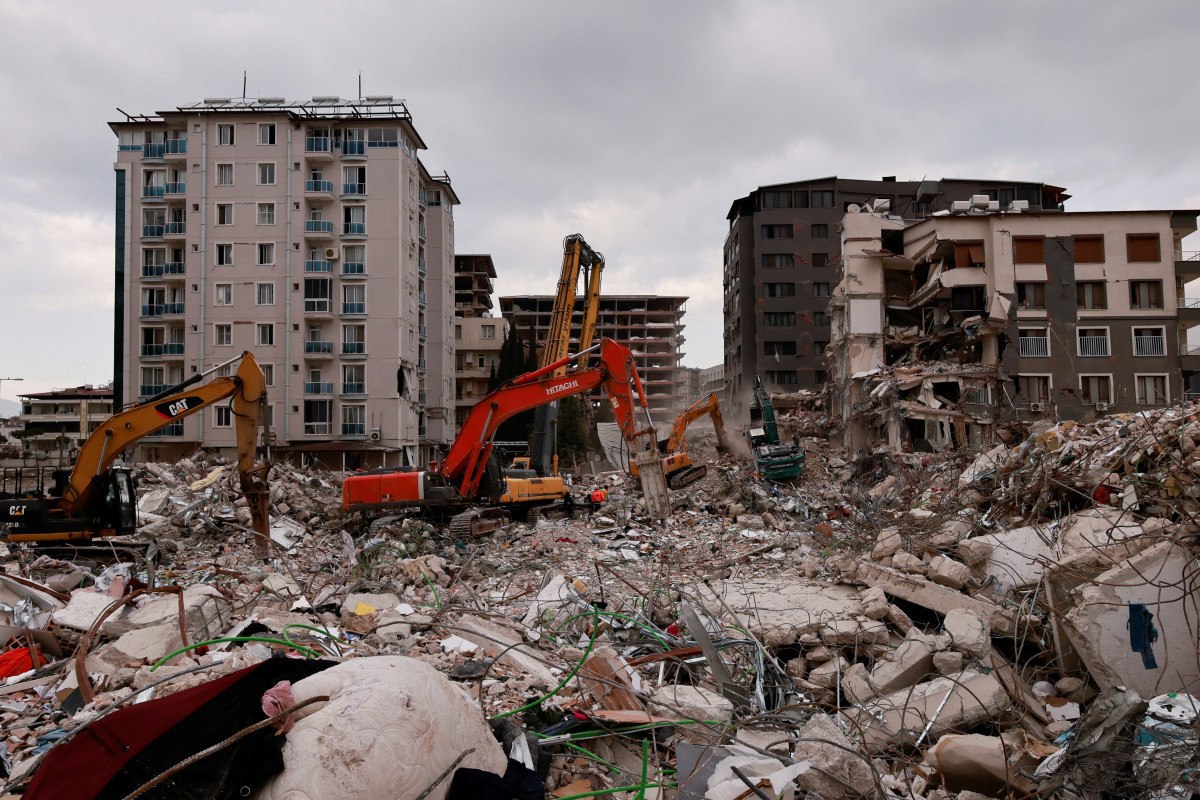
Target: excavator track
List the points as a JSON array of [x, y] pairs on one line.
[[681, 478], [478, 521]]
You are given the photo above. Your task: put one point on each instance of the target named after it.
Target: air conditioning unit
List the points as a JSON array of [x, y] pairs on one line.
[[1037, 407], [881, 206], [993, 205], [331, 254], [980, 201], [376, 435], [1019, 205], [959, 206], [1101, 407]]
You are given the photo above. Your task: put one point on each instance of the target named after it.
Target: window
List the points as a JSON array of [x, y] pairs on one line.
[[224, 134], [264, 334], [1093, 341], [354, 377], [820, 260], [776, 231], [820, 376], [222, 417], [354, 180], [1141, 247], [354, 420], [317, 416], [317, 294], [1151, 389], [458, 333], [487, 331], [779, 319], [1029, 250], [355, 219], [224, 174], [264, 294], [268, 371], [1034, 388], [819, 231], [354, 254], [266, 213], [820, 290], [1091, 295], [778, 261], [224, 255], [480, 361], [779, 348], [1031, 295], [784, 377], [1149, 342], [266, 253], [819, 347], [266, 133], [1095, 389], [266, 174], [821, 198], [821, 318], [777, 200], [779, 290], [224, 213], [1033, 343], [1089, 249], [222, 334], [354, 299], [354, 339], [1145, 294], [968, 254], [224, 294]]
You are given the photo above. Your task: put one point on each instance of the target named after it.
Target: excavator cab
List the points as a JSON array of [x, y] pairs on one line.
[[115, 502]]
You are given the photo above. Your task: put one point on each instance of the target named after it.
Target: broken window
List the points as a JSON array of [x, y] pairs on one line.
[[1031, 295], [1095, 389], [1029, 250], [1145, 294], [1089, 249], [779, 348], [968, 254], [1091, 295], [778, 260], [1142, 247]]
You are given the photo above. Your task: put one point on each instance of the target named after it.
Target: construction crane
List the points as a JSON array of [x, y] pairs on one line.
[[96, 498], [578, 259], [678, 465], [468, 476]]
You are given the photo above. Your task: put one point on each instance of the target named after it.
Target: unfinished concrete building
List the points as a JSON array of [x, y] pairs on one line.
[[946, 329], [650, 325], [782, 258]]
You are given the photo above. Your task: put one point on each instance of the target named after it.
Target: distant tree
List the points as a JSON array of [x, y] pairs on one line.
[[513, 361]]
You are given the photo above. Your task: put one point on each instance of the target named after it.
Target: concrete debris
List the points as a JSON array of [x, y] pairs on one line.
[[917, 625]]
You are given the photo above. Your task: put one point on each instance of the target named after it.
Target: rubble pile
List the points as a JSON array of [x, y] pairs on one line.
[[1014, 624]]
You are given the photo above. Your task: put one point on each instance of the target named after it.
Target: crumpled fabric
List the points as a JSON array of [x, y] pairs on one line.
[[280, 698]]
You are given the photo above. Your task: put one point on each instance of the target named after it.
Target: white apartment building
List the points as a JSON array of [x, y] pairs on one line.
[[308, 233]]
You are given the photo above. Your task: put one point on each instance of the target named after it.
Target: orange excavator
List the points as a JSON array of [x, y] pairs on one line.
[[96, 498], [469, 481], [677, 464]]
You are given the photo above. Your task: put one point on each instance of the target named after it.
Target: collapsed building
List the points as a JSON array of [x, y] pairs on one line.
[[974, 323]]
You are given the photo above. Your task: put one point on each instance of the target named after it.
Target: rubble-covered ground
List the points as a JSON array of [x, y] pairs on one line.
[[1014, 623]]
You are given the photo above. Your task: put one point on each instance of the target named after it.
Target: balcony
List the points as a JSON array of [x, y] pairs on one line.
[[354, 148], [318, 229], [354, 348], [421, 333], [318, 147], [152, 231], [421, 364], [318, 266], [422, 431], [354, 429], [174, 230], [1093, 346], [318, 348], [421, 231], [318, 388], [174, 269], [175, 148], [152, 309], [421, 299], [153, 192], [170, 429], [1189, 308], [176, 188], [1149, 346], [316, 429], [421, 269], [354, 269], [154, 151], [150, 389], [1034, 346], [354, 229], [354, 189], [317, 305], [354, 388], [354, 308], [318, 187], [172, 308]]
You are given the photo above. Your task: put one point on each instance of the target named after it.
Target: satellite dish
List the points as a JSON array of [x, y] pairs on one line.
[[853, 208]]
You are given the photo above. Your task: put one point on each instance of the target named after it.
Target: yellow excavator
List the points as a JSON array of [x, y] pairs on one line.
[[678, 465], [97, 499]]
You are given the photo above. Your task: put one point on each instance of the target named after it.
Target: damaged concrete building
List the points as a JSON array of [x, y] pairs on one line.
[[949, 330]]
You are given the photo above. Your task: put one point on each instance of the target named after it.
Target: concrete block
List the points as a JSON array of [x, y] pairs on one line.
[[909, 563], [494, 639], [948, 572], [856, 684], [905, 666], [974, 551], [948, 663], [377, 602], [1017, 558], [968, 631], [205, 609], [144, 645], [779, 611], [838, 769], [854, 631], [899, 620], [826, 674], [84, 608], [691, 702], [934, 597], [874, 602], [887, 543]]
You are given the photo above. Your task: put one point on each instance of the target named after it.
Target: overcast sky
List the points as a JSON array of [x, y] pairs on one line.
[[634, 123]]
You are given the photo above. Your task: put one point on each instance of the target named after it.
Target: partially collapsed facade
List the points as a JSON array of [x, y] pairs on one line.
[[948, 330]]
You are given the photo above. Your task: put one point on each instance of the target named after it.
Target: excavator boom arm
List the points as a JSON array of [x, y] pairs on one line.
[[706, 405]]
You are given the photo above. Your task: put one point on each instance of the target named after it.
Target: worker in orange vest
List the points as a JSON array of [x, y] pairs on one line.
[[597, 497]]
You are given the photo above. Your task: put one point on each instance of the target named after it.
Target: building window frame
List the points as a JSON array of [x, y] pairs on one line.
[[1029, 249], [1136, 294], [222, 334], [1047, 377], [226, 134], [1133, 338], [266, 173], [222, 417], [264, 253], [264, 334], [1084, 394], [266, 133], [1107, 340], [778, 260], [1089, 238], [264, 293], [1044, 330], [1089, 297], [222, 294], [1140, 396], [265, 214], [1031, 295], [1135, 242], [224, 214], [224, 175], [224, 254]]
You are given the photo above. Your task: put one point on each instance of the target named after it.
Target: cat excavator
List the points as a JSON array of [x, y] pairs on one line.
[[96, 499], [468, 483], [678, 466]]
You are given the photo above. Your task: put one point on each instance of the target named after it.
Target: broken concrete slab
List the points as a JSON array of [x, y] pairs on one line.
[[691, 702], [143, 645], [904, 666], [1017, 557], [838, 767], [499, 641], [934, 597], [948, 572], [969, 632], [779, 611], [205, 609]]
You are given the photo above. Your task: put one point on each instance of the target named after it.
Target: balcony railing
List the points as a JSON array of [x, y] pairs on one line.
[[422, 431], [316, 428], [175, 229], [175, 147], [354, 348], [148, 389], [1093, 345], [154, 191], [317, 144], [172, 308], [318, 186], [421, 299], [173, 349], [1149, 346], [1189, 350], [153, 230], [318, 388], [421, 269], [354, 147], [1034, 346], [354, 229], [154, 150], [353, 429], [174, 268], [318, 226], [354, 188], [177, 187], [421, 231], [318, 347], [420, 363], [1189, 302], [354, 388], [152, 309], [170, 429], [421, 332], [354, 308], [318, 266], [354, 268]]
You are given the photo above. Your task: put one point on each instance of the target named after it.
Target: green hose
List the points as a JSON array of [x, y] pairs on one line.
[[641, 795], [570, 675], [616, 789], [307, 652]]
